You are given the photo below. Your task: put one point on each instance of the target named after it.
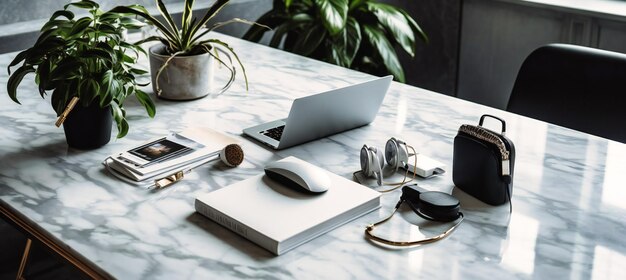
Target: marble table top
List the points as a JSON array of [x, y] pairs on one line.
[[568, 220]]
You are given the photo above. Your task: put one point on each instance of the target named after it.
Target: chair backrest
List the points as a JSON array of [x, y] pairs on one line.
[[576, 87]]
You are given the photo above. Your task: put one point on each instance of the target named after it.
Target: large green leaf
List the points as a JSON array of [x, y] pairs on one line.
[[55, 24], [46, 35], [79, 26], [279, 32], [119, 114], [88, 90], [110, 17], [84, 4], [395, 22], [296, 28], [43, 75], [313, 37], [333, 14], [355, 4], [415, 27], [47, 45], [62, 13], [352, 40], [59, 98], [66, 70], [97, 53], [16, 79], [106, 84], [18, 58], [385, 50], [131, 23], [146, 101]]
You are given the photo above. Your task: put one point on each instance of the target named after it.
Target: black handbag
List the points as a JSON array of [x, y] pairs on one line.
[[483, 163]]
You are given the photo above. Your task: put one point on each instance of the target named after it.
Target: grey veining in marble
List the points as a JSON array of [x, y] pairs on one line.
[[568, 221]]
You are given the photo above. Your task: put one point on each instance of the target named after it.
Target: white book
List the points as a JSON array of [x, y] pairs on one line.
[[279, 218]]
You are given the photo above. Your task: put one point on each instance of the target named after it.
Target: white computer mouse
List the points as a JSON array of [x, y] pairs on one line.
[[294, 172]]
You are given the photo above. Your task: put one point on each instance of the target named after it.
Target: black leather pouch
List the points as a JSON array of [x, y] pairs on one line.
[[483, 162]]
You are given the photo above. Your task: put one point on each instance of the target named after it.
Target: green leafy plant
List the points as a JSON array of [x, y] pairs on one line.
[[360, 34], [188, 39], [87, 58]]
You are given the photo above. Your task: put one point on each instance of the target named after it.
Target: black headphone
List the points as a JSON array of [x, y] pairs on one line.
[[430, 205]]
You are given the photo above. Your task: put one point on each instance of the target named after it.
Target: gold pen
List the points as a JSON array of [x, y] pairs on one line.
[[67, 111]]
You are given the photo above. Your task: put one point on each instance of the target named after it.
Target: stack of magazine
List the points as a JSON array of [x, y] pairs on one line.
[[176, 153]]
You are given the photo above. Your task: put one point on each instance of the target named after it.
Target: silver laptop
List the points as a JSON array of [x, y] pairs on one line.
[[319, 115]]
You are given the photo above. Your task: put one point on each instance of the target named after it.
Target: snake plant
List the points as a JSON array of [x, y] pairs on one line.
[[188, 38]]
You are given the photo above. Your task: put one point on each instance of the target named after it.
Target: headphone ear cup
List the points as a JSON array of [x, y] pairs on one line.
[[391, 152], [366, 161], [396, 153]]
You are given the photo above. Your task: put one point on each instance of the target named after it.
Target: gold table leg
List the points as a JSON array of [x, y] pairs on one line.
[[20, 271], [37, 234]]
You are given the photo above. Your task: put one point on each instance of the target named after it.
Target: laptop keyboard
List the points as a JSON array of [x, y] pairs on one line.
[[274, 133]]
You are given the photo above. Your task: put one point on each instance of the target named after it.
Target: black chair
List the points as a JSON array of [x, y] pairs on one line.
[[576, 87]]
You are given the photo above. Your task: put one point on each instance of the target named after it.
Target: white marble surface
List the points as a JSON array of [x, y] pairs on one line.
[[568, 221]]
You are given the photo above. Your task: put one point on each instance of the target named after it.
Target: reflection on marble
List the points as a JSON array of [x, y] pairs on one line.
[[568, 216]]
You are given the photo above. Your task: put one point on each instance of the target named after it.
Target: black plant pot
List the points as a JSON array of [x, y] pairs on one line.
[[88, 127]]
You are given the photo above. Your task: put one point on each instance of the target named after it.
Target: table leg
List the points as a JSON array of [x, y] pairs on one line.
[[20, 271], [35, 233]]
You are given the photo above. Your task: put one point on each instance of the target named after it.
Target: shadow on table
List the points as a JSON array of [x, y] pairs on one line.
[[53, 149], [234, 240]]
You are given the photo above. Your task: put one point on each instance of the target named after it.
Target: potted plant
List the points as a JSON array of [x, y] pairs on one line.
[[359, 34], [86, 60], [182, 65]]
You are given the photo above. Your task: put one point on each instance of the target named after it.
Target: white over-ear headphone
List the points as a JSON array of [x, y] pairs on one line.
[[396, 154], [372, 162]]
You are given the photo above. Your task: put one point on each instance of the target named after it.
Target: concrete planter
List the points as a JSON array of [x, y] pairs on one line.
[[185, 77]]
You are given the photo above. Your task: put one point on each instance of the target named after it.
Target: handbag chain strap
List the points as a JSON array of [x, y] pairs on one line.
[[487, 136]]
